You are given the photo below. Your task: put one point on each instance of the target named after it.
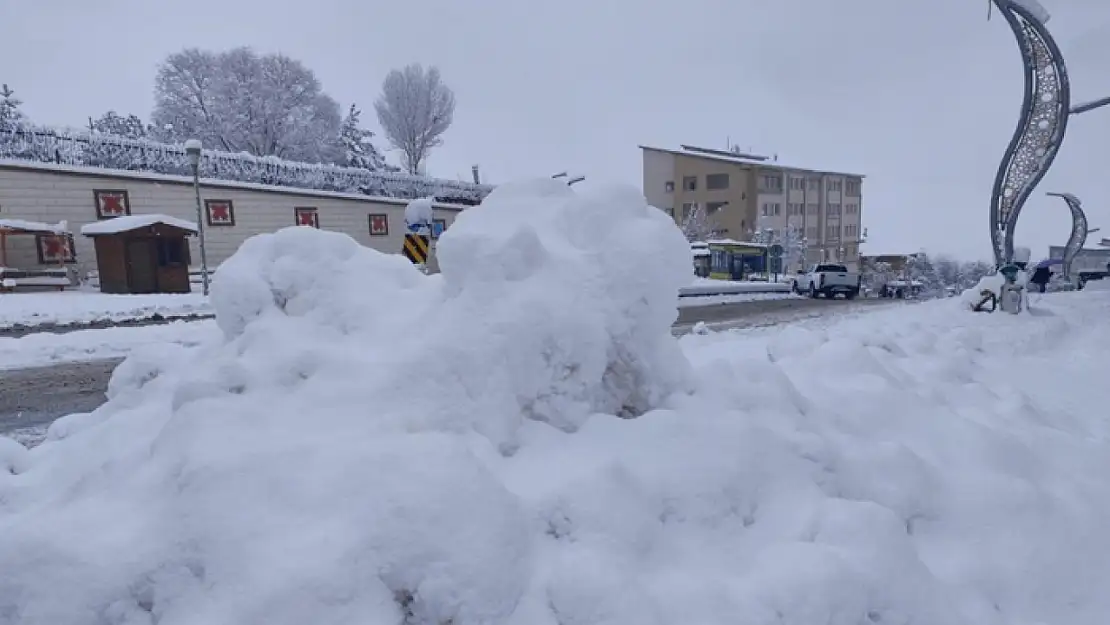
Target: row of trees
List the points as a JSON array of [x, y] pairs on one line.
[[936, 275], [272, 105]]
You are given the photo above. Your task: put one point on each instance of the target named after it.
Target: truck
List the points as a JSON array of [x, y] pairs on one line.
[[829, 280]]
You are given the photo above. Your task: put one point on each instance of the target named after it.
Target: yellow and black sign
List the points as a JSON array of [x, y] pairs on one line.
[[416, 248]]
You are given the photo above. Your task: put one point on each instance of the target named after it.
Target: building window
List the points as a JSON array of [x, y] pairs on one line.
[[688, 208], [668, 186], [835, 185], [712, 207], [834, 209], [219, 213], [669, 211], [850, 230], [716, 182], [832, 232], [439, 226], [798, 184], [172, 252], [852, 188], [306, 216], [379, 225], [766, 209], [778, 208], [111, 203], [772, 182], [851, 209], [812, 209], [690, 183], [813, 184], [55, 249], [812, 232]]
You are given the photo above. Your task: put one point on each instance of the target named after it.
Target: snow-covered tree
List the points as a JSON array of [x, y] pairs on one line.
[[696, 225], [414, 110], [9, 107], [792, 239], [112, 123], [877, 273], [358, 150], [240, 101]]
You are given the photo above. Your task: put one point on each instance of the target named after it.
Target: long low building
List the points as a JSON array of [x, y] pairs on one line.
[[232, 211]]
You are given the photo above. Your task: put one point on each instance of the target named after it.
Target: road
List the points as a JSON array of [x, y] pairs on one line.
[[30, 399]]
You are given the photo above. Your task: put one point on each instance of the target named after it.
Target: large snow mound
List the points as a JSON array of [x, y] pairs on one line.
[[333, 458], [369, 445]]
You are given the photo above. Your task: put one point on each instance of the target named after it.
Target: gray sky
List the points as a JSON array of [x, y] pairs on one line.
[[921, 97]]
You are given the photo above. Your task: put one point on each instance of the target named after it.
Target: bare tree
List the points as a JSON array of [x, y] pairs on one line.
[[239, 101], [414, 111]]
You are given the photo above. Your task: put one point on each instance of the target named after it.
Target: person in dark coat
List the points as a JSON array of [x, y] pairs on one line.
[[1041, 276]]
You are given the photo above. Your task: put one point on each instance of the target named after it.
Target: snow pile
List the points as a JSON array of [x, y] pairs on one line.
[[366, 445], [332, 458]]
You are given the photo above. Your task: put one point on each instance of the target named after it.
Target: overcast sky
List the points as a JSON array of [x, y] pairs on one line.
[[921, 97]]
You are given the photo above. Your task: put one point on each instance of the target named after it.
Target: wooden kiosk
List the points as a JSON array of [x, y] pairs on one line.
[[142, 253]]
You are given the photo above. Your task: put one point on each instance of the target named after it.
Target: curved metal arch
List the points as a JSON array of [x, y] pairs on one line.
[[1079, 229], [1040, 131]]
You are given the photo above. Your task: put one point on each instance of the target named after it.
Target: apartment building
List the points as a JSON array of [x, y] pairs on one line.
[[742, 193]]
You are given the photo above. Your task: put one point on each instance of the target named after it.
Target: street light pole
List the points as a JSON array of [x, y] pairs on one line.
[[192, 148]]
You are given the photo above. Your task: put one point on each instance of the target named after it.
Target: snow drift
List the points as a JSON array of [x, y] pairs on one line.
[[320, 464], [370, 445]]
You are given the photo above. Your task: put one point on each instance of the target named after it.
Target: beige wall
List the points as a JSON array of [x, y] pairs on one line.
[[658, 171], [738, 213], [818, 203], [42, 194]]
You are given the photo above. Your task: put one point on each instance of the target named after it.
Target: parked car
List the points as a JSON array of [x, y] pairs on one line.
[[830, 280]]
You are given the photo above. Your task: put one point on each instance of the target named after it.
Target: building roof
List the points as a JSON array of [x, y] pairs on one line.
[[128, 223], [23, 226], [746, 159]]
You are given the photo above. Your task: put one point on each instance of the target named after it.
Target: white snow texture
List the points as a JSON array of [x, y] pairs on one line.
[[366, 444], [326, 457]]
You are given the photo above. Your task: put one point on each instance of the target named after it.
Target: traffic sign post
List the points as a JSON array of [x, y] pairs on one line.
[[418, 219], [775, 251]]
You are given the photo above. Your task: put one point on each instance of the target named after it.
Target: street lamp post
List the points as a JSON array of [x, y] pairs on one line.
[[192, 148]]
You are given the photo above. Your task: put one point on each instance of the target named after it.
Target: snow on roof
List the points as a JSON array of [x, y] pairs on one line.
[[134, 222], [734, 242], [740, 160], [22, 225]]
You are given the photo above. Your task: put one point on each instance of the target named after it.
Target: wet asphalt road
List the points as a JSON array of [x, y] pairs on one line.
[[30, 399]]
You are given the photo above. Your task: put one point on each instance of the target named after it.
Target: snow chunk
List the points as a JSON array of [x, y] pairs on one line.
[[419, 212], [585, 286], [127, 223]]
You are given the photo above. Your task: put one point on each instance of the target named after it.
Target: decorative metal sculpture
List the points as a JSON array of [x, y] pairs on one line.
[[1079, 229], [1040, 130]]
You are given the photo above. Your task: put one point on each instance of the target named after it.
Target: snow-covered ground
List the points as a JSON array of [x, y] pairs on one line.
[[81, 306], [331, 457], [46, 348]]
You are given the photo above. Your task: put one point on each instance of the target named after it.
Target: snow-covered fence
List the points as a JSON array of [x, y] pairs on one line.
[[90, 149], [733, 288]]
